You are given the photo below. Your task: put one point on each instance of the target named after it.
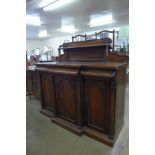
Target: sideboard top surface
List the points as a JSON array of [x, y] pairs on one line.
[[106, 65]]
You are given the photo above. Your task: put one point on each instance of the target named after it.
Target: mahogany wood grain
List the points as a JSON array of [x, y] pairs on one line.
[[85, 89]]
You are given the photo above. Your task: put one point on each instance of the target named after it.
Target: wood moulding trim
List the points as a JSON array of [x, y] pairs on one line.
[[41, 69], [85, 46], [47, 113], [67, 119], [64, 72], [96, 74], [67, 125], [99, 136]]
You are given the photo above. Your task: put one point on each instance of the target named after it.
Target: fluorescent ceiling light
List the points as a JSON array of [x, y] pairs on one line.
[[56, 4], [68, 29], [46, 2], [43, 34], [100, 19], [33, 20]]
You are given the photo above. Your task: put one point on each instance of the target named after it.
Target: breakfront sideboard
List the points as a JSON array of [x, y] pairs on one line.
[[84, 91]]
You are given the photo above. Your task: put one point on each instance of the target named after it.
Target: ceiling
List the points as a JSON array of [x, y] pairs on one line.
[[79, 12]]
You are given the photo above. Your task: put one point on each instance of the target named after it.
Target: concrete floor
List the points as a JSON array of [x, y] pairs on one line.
[[46, 138]]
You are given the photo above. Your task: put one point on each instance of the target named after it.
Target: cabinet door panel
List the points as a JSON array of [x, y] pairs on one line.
[[66, 98], [47, 92], [37, 85], [95, 102]]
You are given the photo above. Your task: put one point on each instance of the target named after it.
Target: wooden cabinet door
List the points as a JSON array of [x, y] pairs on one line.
[[47, 92], [66, 98], [95, 104], [29, 83], [37, 87]]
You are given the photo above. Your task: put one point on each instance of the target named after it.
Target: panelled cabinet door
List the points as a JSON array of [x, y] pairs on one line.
[[95, 104], [66, 98], [29, 81], [33, 83], [37, 85], [47, 92], [29, 85]]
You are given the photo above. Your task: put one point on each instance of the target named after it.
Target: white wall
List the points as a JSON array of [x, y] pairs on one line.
[[32, 44], [124, 32], [54, 43]]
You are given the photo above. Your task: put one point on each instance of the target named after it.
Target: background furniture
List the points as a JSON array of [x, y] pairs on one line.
[[32, 82]]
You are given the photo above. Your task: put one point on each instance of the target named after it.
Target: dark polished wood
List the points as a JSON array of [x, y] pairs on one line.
[[66, 98], [90, 96], [85, 91], [48, 96], [33, 83], [88, 51]]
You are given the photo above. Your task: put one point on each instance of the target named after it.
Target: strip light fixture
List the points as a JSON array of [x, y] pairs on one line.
[[48, 5], [100, 19], [68, 29], [45, 3]]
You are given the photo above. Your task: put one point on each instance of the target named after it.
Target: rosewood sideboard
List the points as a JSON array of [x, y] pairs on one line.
[[84, 91]]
